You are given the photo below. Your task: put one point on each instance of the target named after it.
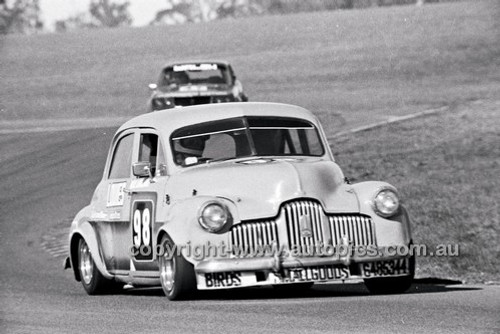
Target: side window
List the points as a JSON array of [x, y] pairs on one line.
[[150, 151], [122, 158], [161, 161]]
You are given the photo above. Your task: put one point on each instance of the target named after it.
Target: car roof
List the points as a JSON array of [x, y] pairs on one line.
[[196, 61], [169, 120]]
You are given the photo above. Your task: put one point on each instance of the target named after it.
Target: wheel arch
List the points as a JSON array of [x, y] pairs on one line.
[[86, 232], [73, 253], [161, 233]]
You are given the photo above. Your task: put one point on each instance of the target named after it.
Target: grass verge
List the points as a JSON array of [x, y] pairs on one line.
[[446, 168]]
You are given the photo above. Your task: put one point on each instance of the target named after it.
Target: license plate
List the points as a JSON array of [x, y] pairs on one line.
[[319, 273], [385, 268]]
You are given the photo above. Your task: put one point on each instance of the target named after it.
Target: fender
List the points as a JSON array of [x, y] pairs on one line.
[[181, 224], [82, 228], [366, 191], [392, 230]]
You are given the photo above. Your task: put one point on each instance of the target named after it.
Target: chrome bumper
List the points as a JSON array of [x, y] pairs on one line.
[[274, 264]]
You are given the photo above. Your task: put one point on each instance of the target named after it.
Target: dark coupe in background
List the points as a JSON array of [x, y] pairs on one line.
[[191, 83]]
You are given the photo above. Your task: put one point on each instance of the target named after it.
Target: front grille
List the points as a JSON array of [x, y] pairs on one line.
[[247, 239], [356, 228], [304, 220], [307, 225], [189, 101]]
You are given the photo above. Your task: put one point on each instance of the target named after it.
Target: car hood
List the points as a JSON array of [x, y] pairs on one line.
[[259, 186], [192, 90]]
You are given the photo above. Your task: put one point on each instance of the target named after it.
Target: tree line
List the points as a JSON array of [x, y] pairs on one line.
[[24, 16]]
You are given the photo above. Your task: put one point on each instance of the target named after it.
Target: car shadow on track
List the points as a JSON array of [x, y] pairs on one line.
[[420, 286]]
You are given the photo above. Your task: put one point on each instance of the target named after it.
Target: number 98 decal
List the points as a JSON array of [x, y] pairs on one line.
[[142, 223]]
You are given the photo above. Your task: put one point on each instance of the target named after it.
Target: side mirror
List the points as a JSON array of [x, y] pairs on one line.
[[142, 169], [152, 86]]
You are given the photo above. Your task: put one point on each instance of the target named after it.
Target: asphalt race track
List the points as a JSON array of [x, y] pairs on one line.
[[46, 177]]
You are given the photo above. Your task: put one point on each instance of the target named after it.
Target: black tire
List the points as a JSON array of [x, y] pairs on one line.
[[92, 280], [391, 285], [177, 276]]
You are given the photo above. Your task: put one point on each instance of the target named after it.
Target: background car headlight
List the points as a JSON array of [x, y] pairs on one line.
[[222, 99], [162, 103], [386, 202], [214, 216]]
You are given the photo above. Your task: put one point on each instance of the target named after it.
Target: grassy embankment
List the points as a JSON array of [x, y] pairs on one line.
[[446, 167], [350, 67]]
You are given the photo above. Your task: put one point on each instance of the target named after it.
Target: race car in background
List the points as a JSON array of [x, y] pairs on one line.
[[191, 83]]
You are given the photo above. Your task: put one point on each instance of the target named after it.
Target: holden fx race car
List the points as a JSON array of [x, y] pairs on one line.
[[235, 195], [191, 83]]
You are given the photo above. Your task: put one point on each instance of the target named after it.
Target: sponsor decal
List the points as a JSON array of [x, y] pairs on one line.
[[193, 89], [195, 67], [98, 215], [116, 193], [228, 279]]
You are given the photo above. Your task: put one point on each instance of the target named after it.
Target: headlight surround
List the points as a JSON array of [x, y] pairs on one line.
[[214, 216], [386, 202]]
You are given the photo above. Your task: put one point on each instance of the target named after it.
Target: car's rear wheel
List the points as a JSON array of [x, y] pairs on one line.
[[392, 285], [176, 274], [92, 280]]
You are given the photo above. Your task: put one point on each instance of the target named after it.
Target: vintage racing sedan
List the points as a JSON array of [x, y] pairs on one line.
[[191, 83], [235, 195]]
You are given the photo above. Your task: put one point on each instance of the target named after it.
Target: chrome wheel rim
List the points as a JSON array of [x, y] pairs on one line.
[[167, 273], [86, 263]]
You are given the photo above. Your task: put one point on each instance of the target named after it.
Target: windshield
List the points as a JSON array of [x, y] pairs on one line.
[[245, 137], [186, 74]]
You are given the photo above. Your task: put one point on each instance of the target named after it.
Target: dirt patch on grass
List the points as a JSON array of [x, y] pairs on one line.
[[446, 167]]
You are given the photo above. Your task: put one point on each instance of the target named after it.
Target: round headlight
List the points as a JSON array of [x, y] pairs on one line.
[[386, 203], [213, 216]]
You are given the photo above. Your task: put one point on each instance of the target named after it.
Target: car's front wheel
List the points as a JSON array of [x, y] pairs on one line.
[[392, 285], [92, 280], [176, 274]]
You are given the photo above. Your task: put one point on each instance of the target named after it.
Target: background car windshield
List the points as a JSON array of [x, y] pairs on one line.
[[244, 137], [194, 74]]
